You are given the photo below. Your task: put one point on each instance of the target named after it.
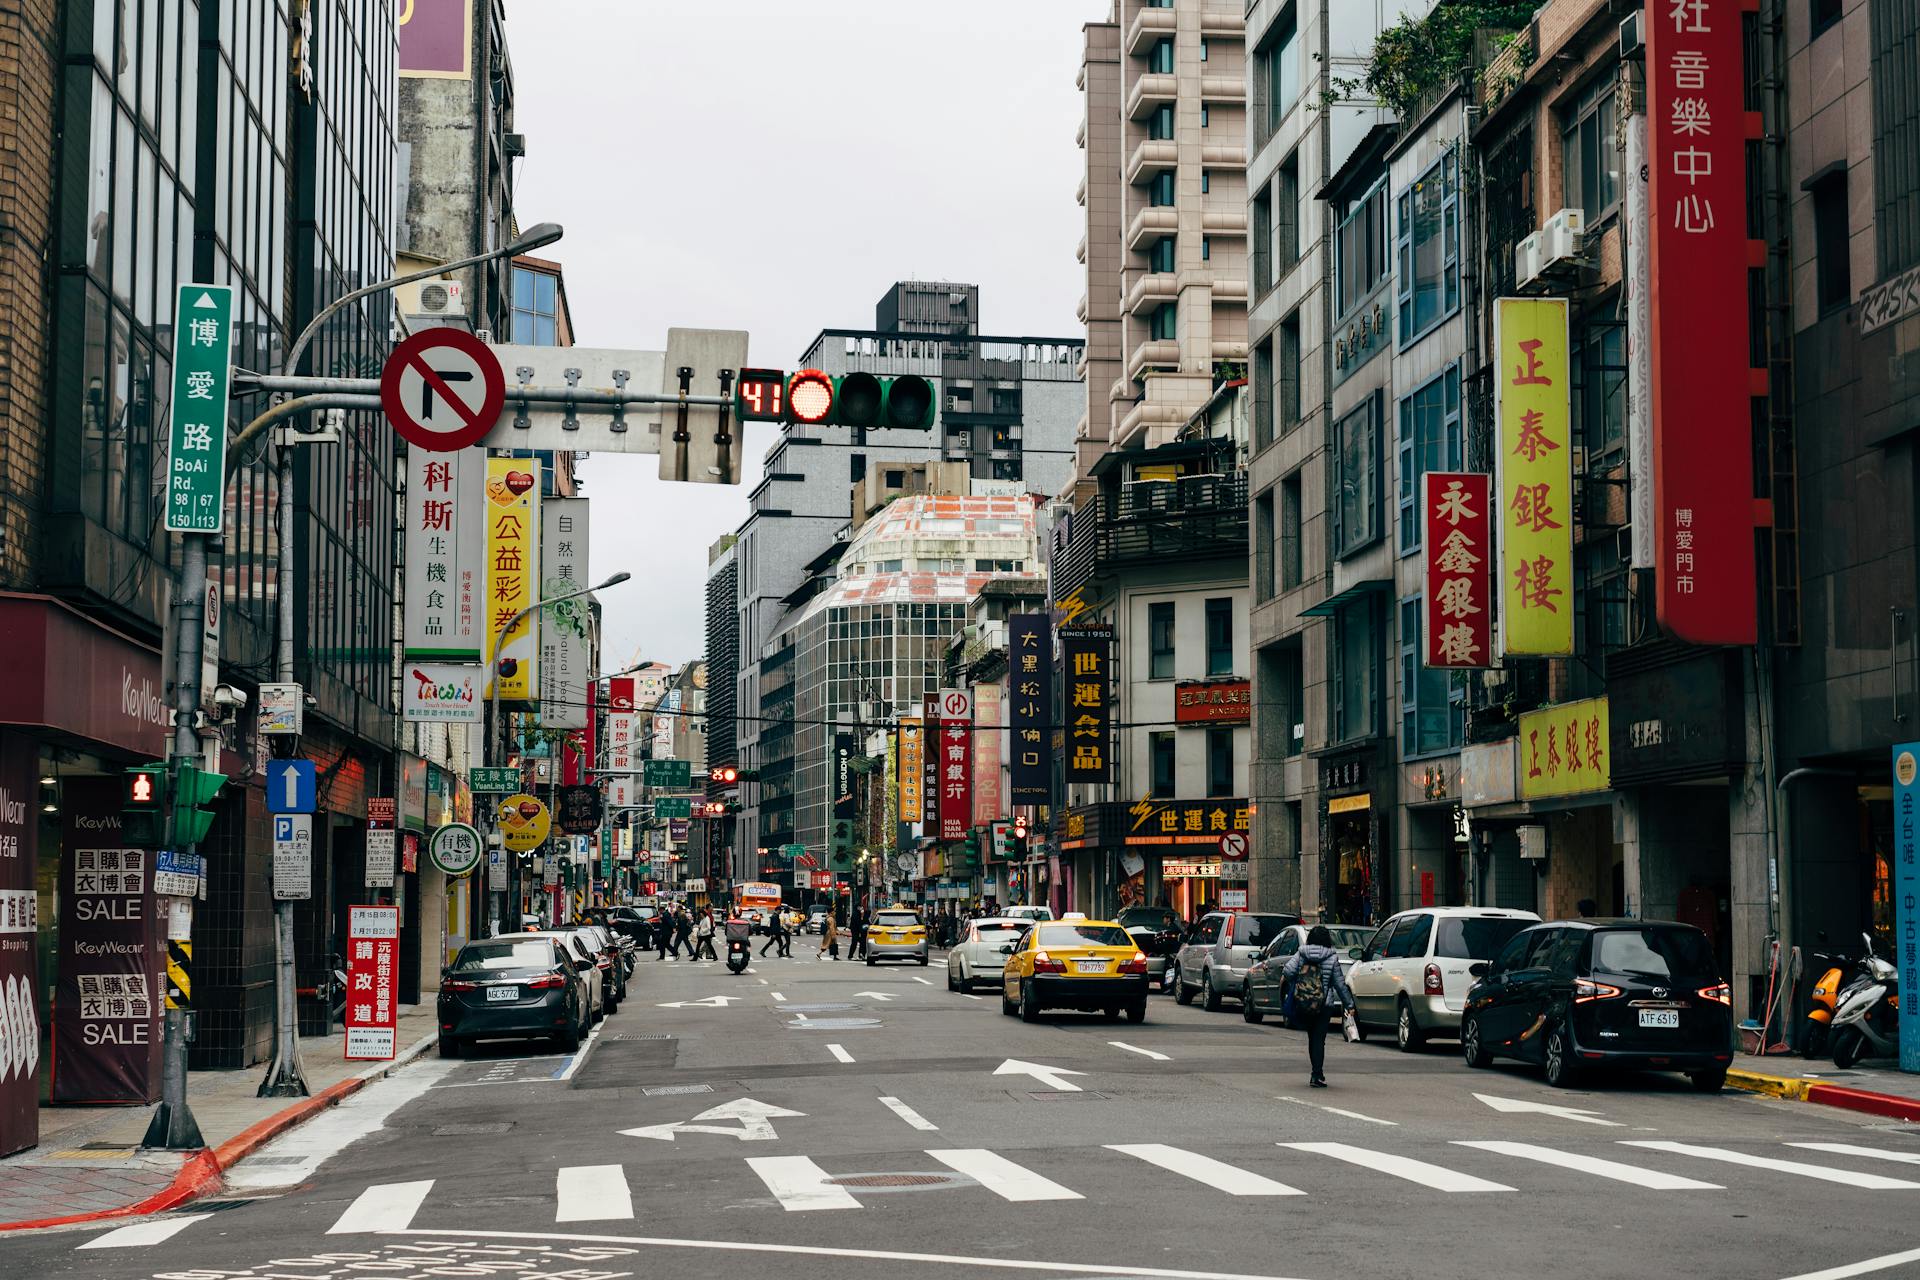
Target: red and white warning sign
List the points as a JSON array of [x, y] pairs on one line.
[[373, 955], [443, 389]]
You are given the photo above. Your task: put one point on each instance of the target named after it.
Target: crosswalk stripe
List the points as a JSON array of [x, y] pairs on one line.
[[1845, 1177], [908, 1114], [1870, 1153], [152, 1231], [1204, 1169], [800, 1184], [1427, 1175], [386, 1206], [592, 1193], [1652, 1179], [1002, 1176]]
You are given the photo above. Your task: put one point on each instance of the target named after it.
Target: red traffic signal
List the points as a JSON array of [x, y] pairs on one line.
[[1019, 828], [141, 788], [724, 774], [810, 397]]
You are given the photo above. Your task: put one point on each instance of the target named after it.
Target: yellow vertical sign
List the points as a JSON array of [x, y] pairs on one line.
[[1534, 410], [912, 763], [513, 552]]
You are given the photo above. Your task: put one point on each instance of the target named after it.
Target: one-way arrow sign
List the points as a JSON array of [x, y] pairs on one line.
[[1049, 1076], [881, 996], [711, 1002], [756, 1122], [1515, 1106]]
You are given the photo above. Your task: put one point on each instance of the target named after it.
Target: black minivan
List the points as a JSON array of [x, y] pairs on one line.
[[1623, 994]]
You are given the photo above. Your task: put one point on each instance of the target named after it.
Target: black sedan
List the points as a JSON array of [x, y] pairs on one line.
[[1581, 995], [513, 988]]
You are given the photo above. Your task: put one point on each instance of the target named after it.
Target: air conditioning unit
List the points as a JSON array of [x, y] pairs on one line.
[[1526, 260], [1563, 238], [440, 298], [953, 404]]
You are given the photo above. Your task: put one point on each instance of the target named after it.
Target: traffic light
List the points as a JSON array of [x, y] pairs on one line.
[[970, 846], [1017, 850], [816, 398], [714, 808], [143, 806], [727, 775], [192, 788]]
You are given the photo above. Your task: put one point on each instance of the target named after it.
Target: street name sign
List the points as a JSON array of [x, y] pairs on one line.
[[668, 773], [442, 389], [197, 429], [493, 780], [673, 807]]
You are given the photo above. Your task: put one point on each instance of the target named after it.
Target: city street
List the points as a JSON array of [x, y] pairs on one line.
[[821, 1119]]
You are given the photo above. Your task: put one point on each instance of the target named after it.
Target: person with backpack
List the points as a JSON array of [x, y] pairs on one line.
[[1315, 987]]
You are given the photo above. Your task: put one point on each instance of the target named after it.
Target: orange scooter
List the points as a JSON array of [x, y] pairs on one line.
[[1826, 994]]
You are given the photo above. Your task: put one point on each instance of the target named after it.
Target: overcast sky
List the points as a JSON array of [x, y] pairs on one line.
[[775, 166]]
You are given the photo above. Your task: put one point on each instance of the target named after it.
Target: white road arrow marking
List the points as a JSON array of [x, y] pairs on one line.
[[1049, 1076], [1515, 1106], [881, 996], [711, 1002], [756, 1122]]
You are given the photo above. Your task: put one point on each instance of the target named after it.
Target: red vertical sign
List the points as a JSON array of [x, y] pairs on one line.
[[1702, 424], [1459, 565], [956, 763], [373, 954]]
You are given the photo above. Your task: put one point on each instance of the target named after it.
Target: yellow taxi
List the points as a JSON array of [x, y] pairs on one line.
[[895, 933], [1075, 964]]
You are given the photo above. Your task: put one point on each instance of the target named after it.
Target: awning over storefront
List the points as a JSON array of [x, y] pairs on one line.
[[1339, 599], [70, 676]]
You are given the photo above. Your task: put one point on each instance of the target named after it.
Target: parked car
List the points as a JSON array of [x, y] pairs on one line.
[[1265, 989], [613, 961], [518, 987], [817, 920], [580, 948], [1220, 950], [896, 933], [1029, 913], [631, 923], [1413, 975], [977, 956], [1158, 934], [1090, 965], [1576, 995]]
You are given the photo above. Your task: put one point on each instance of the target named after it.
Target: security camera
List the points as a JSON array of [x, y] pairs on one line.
[[225, 695]]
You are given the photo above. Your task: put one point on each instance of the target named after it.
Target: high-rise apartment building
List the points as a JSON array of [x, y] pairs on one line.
[[1164, 82]]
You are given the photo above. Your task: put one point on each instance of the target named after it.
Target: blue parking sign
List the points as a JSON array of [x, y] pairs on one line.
[[290, 786]]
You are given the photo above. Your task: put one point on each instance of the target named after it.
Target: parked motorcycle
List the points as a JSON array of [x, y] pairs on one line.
[[1826, 994], [1866, 1019]]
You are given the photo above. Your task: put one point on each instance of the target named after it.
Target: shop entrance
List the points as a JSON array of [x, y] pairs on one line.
[[1352, 893]]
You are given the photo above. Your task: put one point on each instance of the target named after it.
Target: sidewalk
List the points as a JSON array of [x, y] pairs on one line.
[[1879, 1089], [89, 1164]]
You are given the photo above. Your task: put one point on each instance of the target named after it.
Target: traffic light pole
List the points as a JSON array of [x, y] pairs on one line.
[[286, 1078]]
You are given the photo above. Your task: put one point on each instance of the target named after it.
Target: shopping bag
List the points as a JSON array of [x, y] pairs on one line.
[[1350, 1028]]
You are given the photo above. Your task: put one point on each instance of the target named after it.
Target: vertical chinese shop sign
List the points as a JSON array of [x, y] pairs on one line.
[[373, 947], [1030, 682], [1906, 895], [1702, 411], [1084, 656], [513, 554], [19, 930], [445, 611], [913, 764], [1459, 570], [1533, 409], [988, 719], [956, 763], [930, 775]]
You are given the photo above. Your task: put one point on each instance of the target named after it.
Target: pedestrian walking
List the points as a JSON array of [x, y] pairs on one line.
[[703, 931], [682, 932], [1315, 986], [857, 931], [829, 938], [662, 926], [776, 933]]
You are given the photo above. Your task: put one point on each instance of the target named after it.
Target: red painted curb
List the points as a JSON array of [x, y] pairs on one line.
[[1873, 1104]]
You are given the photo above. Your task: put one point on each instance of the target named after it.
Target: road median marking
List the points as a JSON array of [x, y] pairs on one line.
[[839, 1053], [908, 1114], [1145, 1053]]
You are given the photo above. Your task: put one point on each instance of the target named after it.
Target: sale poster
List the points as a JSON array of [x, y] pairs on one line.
[[19, 926], [373, 946]]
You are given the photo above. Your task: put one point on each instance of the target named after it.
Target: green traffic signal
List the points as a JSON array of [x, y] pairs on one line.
[[193, 787], [143, 805]]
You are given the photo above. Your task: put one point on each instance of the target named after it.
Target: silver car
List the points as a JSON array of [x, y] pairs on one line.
[[977, 957], [1221, 951]]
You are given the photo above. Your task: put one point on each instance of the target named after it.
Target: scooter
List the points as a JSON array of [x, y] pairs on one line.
[[1826, 994], [739, 945], [1866, 1021]]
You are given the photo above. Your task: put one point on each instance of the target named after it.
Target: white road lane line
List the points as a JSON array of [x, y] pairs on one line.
[[865, 1255], [839, 1053], [1845, 1177], [1869, 1153], [969, 995], [1338, 1111], [777, 996], [1427, 1175], [1652, 1179], [1205, 1170], [592, 1193], [908, 1114], [1002, 1176], [800, 1184], [152, 1231], [1134, 1048], [294, 1156], [1884, 1262], [925, 982], [383, 1207], [574, 1061]]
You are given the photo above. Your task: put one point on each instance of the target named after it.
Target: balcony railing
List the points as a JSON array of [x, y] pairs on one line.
[[1193, 518]]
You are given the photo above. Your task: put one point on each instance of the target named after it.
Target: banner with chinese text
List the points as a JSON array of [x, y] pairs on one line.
[[1565, 750], [620, 716], [930, 774], [912, 765], [841, 835], [1906, 895], [1702, 406], [987, 720], [1030, 709], [956, 763], [1084, 656], [19, 937], [1459, 570], [565, 651], [1534, 412], [373, 945], [513, 563], [445, 608]]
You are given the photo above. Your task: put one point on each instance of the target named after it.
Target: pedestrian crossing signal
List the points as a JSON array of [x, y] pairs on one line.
[[143, 806]]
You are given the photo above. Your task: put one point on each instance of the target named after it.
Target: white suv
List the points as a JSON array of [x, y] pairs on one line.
[[1413, 974]]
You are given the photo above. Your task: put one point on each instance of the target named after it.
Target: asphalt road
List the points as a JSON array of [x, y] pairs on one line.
[[813, 1119]]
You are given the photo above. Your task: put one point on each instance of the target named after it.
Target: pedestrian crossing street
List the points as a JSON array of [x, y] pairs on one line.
[[602, 1193]]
